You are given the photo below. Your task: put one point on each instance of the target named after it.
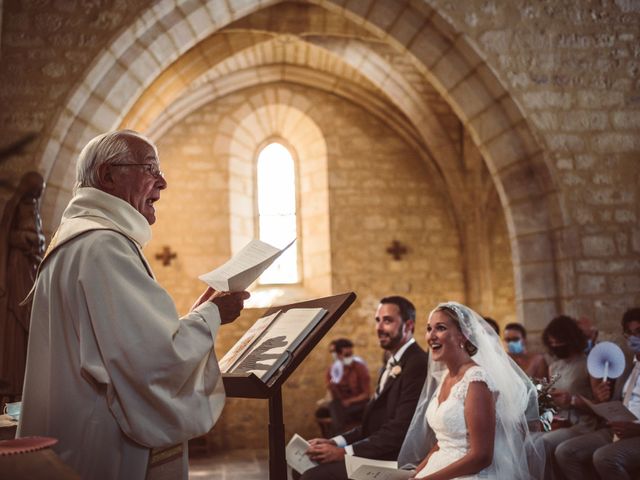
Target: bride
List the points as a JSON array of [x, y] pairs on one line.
[[470, 421]]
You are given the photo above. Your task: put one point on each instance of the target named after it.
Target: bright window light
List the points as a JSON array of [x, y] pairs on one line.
[[277, 211]]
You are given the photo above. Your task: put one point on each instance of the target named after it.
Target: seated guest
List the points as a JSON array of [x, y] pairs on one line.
[[322, 413], [590, 331], [566, 344], [610, 456], [388, 414], [350, 390], [515, 338]]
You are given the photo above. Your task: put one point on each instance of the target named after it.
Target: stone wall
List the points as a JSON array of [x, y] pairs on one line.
[[379, 190], [572, 68]]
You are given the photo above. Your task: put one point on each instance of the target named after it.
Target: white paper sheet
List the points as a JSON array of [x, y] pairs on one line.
[[359, 468], [295, 453], [613, 411], [353, 462], [243, 268], [367, 472]]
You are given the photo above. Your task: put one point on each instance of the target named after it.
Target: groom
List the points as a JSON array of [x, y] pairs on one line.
[[388, 414]]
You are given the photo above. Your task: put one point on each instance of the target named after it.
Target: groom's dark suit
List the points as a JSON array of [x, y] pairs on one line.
[[386, 417]]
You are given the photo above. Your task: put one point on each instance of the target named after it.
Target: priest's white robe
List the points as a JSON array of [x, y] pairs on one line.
[[112, 371]]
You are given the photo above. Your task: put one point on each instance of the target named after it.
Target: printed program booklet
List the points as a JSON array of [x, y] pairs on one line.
[[359, 468], [296, 454]]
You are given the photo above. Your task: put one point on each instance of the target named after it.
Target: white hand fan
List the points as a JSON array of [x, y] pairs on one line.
[[605, 360]]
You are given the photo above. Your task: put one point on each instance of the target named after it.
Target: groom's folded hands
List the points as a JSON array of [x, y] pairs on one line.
[[323, 450]]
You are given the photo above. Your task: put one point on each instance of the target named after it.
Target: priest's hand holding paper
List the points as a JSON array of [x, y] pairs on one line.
[[229, 304]]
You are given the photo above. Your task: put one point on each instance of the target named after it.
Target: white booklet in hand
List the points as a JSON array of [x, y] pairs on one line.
[[270, 341], [359, 468], [244, 267], [613, 411], [296, 456]]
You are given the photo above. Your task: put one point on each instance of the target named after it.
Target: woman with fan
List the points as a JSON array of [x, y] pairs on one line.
[[578, 457]]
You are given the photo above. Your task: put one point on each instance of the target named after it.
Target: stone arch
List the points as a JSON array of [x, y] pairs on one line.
[[447, 59]]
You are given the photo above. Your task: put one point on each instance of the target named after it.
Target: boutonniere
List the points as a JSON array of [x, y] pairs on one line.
[[395, 371]]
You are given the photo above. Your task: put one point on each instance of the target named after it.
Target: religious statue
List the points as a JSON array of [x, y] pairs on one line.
[[21, 250]]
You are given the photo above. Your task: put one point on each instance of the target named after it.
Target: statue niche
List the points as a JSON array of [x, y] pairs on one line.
[[21, 250]]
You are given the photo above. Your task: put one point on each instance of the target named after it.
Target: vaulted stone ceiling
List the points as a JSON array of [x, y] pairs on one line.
[[313, 46]]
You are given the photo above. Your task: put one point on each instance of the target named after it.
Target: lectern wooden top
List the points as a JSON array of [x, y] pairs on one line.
[[250, 386]]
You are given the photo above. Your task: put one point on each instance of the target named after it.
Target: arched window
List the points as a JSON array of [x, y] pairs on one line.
[[277, 223]]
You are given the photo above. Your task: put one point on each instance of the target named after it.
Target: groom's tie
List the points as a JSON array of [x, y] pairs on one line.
[[385, 375]]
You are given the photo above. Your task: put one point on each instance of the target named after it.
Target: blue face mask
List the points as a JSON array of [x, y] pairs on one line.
[[515, 347], [589, 346], [634, 343]]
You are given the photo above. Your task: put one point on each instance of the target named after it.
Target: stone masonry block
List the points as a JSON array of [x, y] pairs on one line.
[[529, 217], [506, 149], [626, 120], [489, 124], [200, 22], [614, 142], [635, 240], [625, 284], [545, 99], [358, 8], [536, 314], [537, 279], [598, 246], [383, 13], [534, 248], [521, 181], [591, 284], [429, 45], [140, 63], [471, 96], [408, 24], [451, 69]]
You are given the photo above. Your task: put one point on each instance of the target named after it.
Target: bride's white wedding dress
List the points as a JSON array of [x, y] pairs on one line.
[[447, 421]]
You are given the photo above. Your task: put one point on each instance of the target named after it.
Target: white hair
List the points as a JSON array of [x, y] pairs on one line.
[[107, 148]]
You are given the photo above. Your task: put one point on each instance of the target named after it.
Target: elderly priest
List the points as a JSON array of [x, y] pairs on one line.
[[112, 372]]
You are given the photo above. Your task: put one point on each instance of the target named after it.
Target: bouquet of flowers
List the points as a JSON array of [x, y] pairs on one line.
[[546, 405]]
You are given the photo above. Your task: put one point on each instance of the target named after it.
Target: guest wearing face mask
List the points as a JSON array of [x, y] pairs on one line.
[[566, 344], [600, 451], [323, 415], [349, 384], [590, 331], [515, 339]]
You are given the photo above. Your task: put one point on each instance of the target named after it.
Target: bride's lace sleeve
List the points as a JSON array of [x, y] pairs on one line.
[[474, 374]]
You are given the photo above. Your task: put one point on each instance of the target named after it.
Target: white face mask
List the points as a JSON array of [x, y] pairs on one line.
[[347, 361]]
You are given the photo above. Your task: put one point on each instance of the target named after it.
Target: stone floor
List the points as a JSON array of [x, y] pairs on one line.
[[236, 465]]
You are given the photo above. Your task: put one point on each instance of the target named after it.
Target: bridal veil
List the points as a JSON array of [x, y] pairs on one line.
[[515, 456]]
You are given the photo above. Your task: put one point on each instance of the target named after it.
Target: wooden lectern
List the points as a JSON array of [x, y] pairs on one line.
[[242, 385]]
